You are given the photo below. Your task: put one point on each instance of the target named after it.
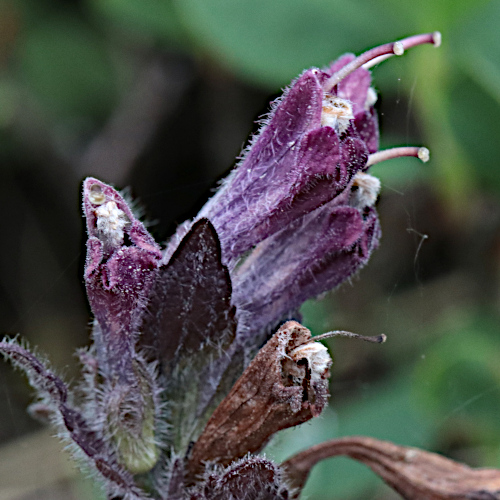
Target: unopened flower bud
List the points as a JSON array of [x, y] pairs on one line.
[[251, 478], [121, 267], [122, 260]]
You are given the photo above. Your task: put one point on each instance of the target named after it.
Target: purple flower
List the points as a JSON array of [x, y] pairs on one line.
[[316, 139], [300, 199], [165, 393], [306, 154]]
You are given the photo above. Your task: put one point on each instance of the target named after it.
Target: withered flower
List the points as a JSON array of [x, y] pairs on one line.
[[177, 399], [414, 473]]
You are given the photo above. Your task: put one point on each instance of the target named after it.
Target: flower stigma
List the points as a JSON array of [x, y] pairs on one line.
[[422, 153]]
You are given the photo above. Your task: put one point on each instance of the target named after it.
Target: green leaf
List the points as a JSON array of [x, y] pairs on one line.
[[152, 18], [271, 42], [459, 378], [478, 48], [474, 120], [429, 15], [65, 65]]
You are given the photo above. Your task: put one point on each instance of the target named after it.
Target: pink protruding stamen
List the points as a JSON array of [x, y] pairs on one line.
[[387, 154], [380, 53], [378, 339]]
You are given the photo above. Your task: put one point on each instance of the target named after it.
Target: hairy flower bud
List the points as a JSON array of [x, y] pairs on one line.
[[122, 262], [252, 478]]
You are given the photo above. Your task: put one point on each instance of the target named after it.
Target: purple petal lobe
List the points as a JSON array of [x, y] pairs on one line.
[[366, 124], [298, 111], [354, 155], [257, 184], [190, 303], [190, 329], [310, 256]]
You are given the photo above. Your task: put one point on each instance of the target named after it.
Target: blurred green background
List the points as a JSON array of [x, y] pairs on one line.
[[161, 95]]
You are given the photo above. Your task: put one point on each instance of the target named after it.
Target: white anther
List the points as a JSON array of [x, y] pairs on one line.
[[367, 192], [111, 222], [371, 98], [336, 113], [317, 358]]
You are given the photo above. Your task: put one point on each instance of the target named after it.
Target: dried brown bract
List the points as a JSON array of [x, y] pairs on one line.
[[415, 474], [285, 385]]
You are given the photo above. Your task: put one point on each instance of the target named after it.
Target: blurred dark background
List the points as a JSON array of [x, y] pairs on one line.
[[161, 95]]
